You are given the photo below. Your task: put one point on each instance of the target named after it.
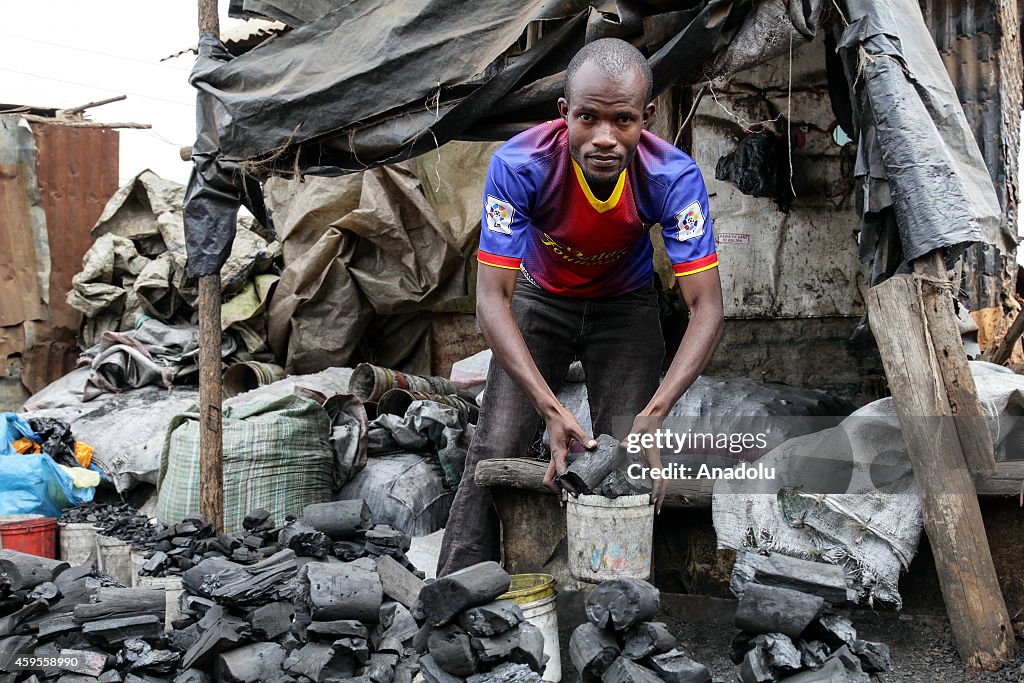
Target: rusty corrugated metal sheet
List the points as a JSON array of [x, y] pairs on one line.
[[77, 173], [23, 244], [51, 194], [966, 33]]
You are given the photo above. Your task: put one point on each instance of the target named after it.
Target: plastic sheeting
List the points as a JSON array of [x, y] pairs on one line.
[[846, 495], [405, 490], [357, 85], [137, 264], [32, 483], [916, 152], [362, 253]]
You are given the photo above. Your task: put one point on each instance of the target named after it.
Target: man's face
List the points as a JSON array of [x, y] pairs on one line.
[[605, 115]]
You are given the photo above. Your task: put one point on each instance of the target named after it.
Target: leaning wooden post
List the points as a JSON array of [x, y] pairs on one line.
[[949, 504], [935, 292], [211, 445]]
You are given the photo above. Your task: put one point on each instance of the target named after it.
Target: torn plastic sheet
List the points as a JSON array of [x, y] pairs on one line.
[[416, 76], [846, 495], [216, 188], [910, 120]]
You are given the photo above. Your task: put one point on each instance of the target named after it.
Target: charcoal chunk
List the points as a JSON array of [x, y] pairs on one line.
[[271, 620], [621, 603], [592, 651], [874, 657], [452, 649], [767, 609], [250, 663], [624, 670], [675, 667], [646, 639], [477, 585], [491, 619]]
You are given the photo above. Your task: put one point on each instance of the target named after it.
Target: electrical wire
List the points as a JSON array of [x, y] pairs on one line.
[[97, 52], [190, 105]]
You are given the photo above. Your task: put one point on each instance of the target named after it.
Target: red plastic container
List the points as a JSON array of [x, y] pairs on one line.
[[33, 536]]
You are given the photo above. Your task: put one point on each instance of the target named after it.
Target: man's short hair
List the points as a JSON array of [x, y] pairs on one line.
[[616, 58]]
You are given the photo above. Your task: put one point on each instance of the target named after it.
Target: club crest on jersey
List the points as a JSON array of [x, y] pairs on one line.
[[499, 215], [691, 222]]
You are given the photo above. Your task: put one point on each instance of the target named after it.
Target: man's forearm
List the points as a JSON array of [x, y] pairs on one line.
[[698, 344]]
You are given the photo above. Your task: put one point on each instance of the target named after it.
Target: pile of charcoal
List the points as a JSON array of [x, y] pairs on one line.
[[619, 643], [299, 614], [788, 628], [341, 529], [467, 636], [118, 521]]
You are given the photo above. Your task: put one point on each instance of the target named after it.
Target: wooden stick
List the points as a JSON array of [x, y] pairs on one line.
[[90, 105], [954, 373], [1001, 353], [528, 475], [211, 445], [977, 612], [84, 124]]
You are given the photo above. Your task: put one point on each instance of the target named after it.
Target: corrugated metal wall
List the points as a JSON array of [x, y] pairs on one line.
[[64, 176], [984, 63]]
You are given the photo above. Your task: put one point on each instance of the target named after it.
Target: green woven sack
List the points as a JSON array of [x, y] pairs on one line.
[[276, 456]]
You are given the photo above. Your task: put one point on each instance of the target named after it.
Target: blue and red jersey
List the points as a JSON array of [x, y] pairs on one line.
[[540, 216]]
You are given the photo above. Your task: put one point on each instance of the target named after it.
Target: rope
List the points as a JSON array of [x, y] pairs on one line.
[[693, 110], [942, 286]]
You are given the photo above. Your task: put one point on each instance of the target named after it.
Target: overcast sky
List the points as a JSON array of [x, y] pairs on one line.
[[61, 53]]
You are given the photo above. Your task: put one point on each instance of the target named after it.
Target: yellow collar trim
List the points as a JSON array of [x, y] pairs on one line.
[[613, 199]]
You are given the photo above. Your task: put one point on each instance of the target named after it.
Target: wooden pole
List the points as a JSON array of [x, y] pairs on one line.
[[1004, 348], [211, 445], [952, 519], [955, 379]]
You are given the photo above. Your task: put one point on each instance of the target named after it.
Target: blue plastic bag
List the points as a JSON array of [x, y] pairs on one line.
[[32, 483], [13, 428]]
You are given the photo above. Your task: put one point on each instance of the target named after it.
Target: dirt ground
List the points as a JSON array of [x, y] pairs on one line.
[[922, 646]]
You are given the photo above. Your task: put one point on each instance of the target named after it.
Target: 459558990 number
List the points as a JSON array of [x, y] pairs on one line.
[[32, 663]]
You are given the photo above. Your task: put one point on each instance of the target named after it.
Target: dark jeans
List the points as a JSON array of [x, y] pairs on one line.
[[619, 341]]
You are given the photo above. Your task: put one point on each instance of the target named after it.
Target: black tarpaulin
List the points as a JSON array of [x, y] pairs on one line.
[[216, 186], [916, 153], [361, 84]]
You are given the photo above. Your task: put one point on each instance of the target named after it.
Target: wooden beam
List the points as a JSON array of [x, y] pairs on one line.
[[528, 475], [211, 444], [952, 519], [1004, 348], [955, 380]]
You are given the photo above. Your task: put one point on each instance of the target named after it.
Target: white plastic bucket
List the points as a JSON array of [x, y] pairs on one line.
[[77, 543], [535, 594], [609, 538], [113, 557], [172, 588]]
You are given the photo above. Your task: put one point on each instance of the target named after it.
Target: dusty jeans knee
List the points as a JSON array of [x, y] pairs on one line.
[[619, 341]]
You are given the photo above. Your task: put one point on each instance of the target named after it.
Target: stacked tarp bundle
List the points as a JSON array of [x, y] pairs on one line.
[[136, 267]]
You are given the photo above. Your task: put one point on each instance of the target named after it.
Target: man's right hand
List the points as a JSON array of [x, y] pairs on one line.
[[563, 429]]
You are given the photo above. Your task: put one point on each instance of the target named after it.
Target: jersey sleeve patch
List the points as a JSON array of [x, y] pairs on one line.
[[690, 221], [499, 215]]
